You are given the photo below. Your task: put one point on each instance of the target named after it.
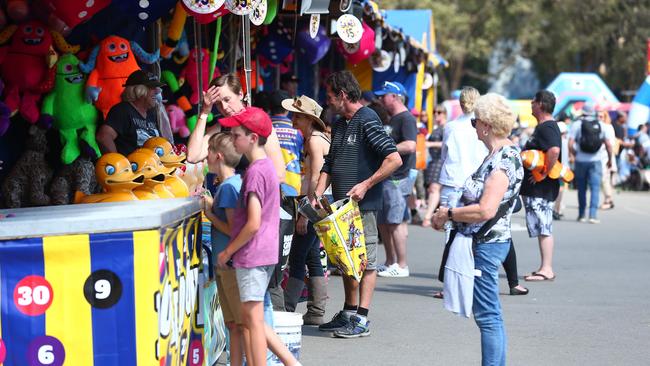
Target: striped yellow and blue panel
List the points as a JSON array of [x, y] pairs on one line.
[[47, 287]]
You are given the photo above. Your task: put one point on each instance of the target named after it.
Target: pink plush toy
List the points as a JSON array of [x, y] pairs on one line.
[[177, 120], [191, 76]]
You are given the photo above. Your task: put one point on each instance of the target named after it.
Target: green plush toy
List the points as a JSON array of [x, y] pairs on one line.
[[73, 116]]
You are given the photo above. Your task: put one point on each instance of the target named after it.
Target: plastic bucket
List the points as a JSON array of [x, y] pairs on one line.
[[288, 327]]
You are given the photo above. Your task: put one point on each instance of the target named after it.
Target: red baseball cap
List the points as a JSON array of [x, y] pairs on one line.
[[253, 118]]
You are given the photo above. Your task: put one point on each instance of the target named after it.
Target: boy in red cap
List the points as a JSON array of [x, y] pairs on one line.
[[254, 249]]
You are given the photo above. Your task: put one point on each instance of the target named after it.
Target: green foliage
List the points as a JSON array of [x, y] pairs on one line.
[[605, 36]]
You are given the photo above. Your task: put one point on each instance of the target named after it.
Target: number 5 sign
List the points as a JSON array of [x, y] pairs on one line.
[[33, 295]]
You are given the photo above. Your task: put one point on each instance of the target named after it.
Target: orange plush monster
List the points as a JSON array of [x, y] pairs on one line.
[[109, 65]]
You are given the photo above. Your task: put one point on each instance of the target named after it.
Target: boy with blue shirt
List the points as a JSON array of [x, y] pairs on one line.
[[222, 160]]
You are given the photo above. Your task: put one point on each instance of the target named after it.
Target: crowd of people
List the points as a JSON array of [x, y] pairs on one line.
[[362, 146]]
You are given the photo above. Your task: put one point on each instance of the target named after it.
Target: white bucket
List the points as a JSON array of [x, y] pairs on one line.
[[288, 327]]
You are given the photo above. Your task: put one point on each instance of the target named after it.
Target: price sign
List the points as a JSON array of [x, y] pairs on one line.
[[33, 295], [196, 353], [103, 289], [45, 351]]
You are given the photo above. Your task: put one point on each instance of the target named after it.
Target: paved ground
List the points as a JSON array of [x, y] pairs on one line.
[[597, 311]]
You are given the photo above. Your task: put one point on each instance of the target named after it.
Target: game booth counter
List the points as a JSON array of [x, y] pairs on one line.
[[103, 284]]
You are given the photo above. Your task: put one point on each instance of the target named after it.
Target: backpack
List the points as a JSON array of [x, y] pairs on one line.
[[590, 136]]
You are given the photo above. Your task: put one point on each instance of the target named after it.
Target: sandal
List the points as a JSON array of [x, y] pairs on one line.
[[439, 295], [541, 277]]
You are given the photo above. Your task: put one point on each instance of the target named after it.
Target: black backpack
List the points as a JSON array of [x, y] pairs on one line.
[[590, 132]]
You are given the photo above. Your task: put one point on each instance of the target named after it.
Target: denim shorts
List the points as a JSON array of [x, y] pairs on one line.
[[253, 282], [395, 192]]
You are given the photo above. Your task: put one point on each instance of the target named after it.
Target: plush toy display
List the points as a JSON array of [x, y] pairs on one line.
[[109, 65], [26, 66], [177, 120], [73, 116], [165, 152], [534, 160], [114, 174], [25, 185], [190, 75], [78, 176], [146, 162]]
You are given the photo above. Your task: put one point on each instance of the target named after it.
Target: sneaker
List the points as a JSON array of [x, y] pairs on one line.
[[382, 267], [395, 271], [355, 329], [339, 321], [594, 221], [582, 219]]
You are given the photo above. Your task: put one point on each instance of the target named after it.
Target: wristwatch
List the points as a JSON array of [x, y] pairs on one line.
[[450, 214]]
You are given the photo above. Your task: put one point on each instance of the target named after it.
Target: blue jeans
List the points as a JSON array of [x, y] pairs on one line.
[[305, 249], [486, 307], [588, 175]]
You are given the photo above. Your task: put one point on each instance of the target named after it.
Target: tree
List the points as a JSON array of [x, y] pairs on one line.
[[606, 36]]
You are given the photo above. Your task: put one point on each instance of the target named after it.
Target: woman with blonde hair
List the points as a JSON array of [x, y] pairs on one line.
[[482, 224], [608, 172]]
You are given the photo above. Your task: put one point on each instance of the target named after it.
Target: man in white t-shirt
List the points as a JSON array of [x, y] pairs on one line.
[[587, 139]]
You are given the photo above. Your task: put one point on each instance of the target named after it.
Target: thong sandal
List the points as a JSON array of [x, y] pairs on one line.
[[536, 274]]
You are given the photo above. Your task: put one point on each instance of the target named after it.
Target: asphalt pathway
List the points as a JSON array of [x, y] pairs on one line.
[[596, 312]]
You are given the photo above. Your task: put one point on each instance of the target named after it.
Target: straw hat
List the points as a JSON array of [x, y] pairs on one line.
[[305, 105]]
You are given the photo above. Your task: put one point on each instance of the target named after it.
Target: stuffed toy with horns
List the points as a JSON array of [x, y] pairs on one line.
[[26, 66], [109, 65]]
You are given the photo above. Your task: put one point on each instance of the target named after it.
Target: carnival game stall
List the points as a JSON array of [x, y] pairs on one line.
[[101, 258]]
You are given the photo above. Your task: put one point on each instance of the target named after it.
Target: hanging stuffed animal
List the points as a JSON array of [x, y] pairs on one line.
[[534, 160], [27, 64], [78, 176], [177, 120], [109, 65], [25, 185], [73, 116]]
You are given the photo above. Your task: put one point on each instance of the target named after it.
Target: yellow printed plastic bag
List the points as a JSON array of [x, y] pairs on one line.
[[343, 238]]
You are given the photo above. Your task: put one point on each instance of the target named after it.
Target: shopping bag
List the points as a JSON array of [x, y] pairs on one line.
[[343, 238], [214, 327]]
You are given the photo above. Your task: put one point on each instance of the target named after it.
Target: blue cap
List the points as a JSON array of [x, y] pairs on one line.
[[391, 87]]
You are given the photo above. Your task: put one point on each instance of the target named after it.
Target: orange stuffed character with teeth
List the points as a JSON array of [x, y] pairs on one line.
[[533, 160], [114, 174], [109, 65], [163, 148], [146, 162]]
